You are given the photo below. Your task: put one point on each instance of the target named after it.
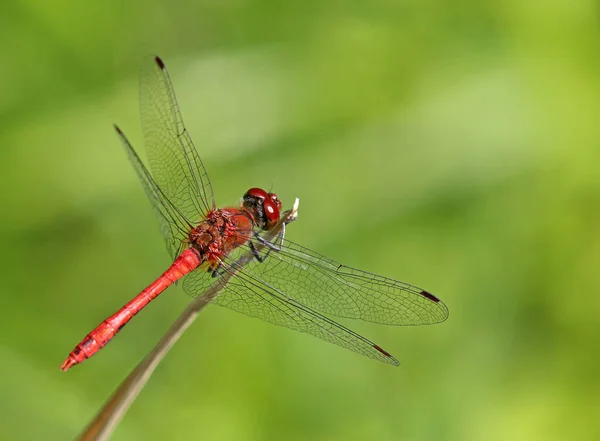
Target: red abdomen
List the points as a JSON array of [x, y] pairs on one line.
[[220, 232], [99, 337]]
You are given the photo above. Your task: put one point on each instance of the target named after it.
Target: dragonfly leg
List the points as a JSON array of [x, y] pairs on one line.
[[272, 245], [269, 245], [256, 254]]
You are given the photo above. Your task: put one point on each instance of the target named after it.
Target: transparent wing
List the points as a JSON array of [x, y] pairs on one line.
[[332, 288], [249, 295], [174, 160], [173, 225]]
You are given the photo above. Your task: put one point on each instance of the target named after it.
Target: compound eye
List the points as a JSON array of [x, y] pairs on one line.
[[271, 212], [275, 200], [256, 193]]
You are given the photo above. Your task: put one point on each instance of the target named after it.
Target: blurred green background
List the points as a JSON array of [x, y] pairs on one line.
[[453, 145]]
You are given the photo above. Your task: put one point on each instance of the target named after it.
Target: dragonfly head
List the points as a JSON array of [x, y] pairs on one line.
[[264, 207]]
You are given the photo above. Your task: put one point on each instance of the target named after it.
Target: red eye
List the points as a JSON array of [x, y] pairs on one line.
[[257, 193], [271, 211], [274, 198]]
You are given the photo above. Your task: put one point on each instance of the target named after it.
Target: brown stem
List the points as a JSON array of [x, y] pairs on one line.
[[104, 423]]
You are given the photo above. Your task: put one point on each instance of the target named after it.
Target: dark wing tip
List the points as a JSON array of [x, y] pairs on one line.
[[159, 62], [387, 354], [430, 296], [117, 129], [383, 351]]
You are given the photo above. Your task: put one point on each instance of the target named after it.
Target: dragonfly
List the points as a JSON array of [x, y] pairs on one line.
[[284, 283]]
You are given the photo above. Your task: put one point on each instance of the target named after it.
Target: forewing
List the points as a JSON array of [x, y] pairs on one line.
[[332, 288], [174, 160]]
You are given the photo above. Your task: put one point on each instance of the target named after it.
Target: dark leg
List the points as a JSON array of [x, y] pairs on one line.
[[256, 254], [270, 246]]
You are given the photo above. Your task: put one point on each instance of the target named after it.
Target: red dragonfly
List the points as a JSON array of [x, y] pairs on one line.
[[286, 285]]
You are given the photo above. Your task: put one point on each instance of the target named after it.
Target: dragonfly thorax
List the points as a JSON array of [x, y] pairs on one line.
[[220, 232]]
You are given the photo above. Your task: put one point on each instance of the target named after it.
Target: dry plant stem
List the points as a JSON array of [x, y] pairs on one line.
[[104, 423]]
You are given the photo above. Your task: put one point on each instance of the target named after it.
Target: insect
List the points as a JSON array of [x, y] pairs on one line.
[[286, 284]]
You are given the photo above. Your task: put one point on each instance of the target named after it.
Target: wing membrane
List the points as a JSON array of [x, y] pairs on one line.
[[174, 160], [173, 225], [249, 295], [332, 288]]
